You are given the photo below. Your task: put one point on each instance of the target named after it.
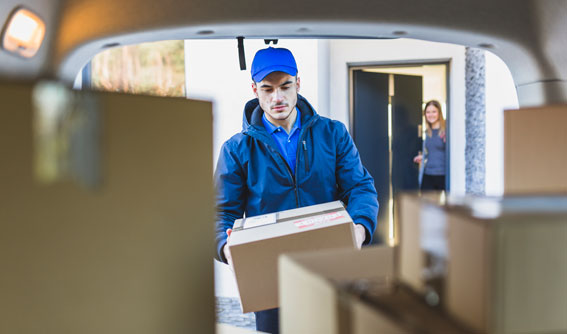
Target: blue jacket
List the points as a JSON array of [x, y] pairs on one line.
[[252, 177]]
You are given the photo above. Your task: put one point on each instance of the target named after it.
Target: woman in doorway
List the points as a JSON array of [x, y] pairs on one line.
[[432, 170]]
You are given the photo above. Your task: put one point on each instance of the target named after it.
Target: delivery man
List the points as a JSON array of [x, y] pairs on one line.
[[286, 157]]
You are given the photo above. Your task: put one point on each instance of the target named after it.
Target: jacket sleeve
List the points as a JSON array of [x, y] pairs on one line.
[[230, 184], [356, 185]]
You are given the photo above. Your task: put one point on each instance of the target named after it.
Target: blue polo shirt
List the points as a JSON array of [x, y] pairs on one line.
[[287, 143]]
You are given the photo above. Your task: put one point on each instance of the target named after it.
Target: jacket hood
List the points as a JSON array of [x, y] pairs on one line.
[[253, 113]]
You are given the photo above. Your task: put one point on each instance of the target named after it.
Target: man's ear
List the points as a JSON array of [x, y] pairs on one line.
[[255, 88], [297, 83]]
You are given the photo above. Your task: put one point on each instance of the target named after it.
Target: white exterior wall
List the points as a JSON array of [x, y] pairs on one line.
[[500, 95]]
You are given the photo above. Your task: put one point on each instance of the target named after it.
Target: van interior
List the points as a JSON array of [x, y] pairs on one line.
[[107, 197]]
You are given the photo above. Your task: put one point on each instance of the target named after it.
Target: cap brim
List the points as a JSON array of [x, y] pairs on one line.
[[276, 68]]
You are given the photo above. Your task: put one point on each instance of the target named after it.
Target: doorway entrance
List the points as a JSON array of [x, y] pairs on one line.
[[388, 127]]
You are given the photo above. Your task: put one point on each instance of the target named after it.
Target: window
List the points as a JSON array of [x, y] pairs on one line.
[[150, 68]]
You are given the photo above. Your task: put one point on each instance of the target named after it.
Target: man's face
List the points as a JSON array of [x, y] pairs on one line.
[[277, 94]]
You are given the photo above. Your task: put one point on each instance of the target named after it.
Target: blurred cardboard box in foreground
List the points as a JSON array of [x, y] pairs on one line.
[[494, 264], [310, 291], [354, 292], [507, 269]]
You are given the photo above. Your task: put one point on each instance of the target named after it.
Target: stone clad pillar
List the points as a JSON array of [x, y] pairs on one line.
[[475, 128]]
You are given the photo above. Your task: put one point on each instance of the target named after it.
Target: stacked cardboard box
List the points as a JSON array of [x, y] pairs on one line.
[[507, 269], [353, 292], [422, 236], [464, 265], [312, 299], [535, 153], [503, 260]]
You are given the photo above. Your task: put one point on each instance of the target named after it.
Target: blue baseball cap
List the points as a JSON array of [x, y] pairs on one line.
[[271, 60]]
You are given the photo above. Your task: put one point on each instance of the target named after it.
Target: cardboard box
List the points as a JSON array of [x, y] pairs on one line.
[[353, 292], [256, 243], [120, 258], [311, 300], [505, 272], [507, 268], [503, 260], [422, 237], [534, 150]]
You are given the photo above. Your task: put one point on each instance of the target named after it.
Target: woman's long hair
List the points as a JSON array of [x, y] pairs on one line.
[[429, 131]]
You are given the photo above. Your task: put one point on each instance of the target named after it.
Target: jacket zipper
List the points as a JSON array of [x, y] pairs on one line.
[[302, 135], [290, 174], [306, 157]]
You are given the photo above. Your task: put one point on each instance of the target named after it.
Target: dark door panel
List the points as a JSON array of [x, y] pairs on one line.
[[406, 141], [370, 131]]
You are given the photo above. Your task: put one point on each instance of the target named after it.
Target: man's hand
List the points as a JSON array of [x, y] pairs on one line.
[[226, 249], [359, 234]]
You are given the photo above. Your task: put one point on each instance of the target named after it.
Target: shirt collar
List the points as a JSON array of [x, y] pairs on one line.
[[271, 128]]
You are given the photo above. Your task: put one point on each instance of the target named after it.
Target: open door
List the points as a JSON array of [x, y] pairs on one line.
[[385, 127], [406, 137]]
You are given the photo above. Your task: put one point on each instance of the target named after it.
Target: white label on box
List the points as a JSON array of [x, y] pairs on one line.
[[309, 222], [260, 220]]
